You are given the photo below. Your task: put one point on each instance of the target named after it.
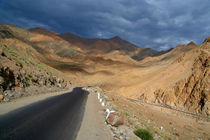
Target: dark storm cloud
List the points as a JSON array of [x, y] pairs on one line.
[[158, 24]]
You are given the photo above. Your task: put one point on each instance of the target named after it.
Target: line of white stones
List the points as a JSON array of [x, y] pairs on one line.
[[103, 104]]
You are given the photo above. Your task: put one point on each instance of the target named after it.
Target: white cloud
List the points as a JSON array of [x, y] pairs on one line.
[[182, 41], [28, 23], [99, 34], [162, 40], [164, 47]]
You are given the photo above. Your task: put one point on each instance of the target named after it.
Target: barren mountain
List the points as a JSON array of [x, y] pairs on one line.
[[178, 78], [103, 46], [37, 60], [54, 51], [22, 73], [165, 79]]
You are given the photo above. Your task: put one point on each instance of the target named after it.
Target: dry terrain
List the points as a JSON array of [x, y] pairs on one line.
[[155, 87]]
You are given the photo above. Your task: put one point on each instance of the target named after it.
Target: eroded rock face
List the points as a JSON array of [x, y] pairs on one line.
[[7, 80], [5, 32], [18, 79], [192, 93], [199, 82], [116, 119]]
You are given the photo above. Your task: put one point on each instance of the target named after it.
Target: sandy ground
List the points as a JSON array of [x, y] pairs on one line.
[[180, 126], [18, 103], [93, 125]]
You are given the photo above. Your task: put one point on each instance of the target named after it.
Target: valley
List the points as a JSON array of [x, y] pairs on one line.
[[143, 82]]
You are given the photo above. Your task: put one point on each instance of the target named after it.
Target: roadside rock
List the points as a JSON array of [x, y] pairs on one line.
[[9, 93], [1, 97], [116, 119], [6, 99], [123, 132]]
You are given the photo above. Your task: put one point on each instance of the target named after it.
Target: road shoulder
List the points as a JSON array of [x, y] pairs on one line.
[[93, 126]]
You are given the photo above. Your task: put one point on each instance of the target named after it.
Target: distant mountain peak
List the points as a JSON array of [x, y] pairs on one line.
[[191, 44], [116, 38]]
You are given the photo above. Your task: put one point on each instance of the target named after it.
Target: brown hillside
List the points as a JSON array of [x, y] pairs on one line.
[[102, 46], [177, 78], [146, 83]]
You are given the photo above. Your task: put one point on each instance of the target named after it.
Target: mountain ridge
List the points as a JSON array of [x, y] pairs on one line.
[[156, 79], [102, 46], [92, 46]]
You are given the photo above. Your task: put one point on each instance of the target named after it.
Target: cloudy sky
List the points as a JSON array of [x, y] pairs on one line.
[[157, 24]]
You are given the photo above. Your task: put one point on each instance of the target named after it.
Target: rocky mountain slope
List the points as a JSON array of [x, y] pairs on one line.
[[178, 79], [46, 47], [21, 72], [191, 92]]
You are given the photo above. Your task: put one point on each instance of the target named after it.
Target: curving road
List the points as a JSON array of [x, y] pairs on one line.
[[56, 118]]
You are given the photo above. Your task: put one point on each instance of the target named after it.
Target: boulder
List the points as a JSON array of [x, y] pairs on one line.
[[116, 119], [6, 99], [1, 97], [59, 85], [9, 93]]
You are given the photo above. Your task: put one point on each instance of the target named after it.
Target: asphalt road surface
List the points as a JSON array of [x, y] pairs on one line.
[[56, 118]]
